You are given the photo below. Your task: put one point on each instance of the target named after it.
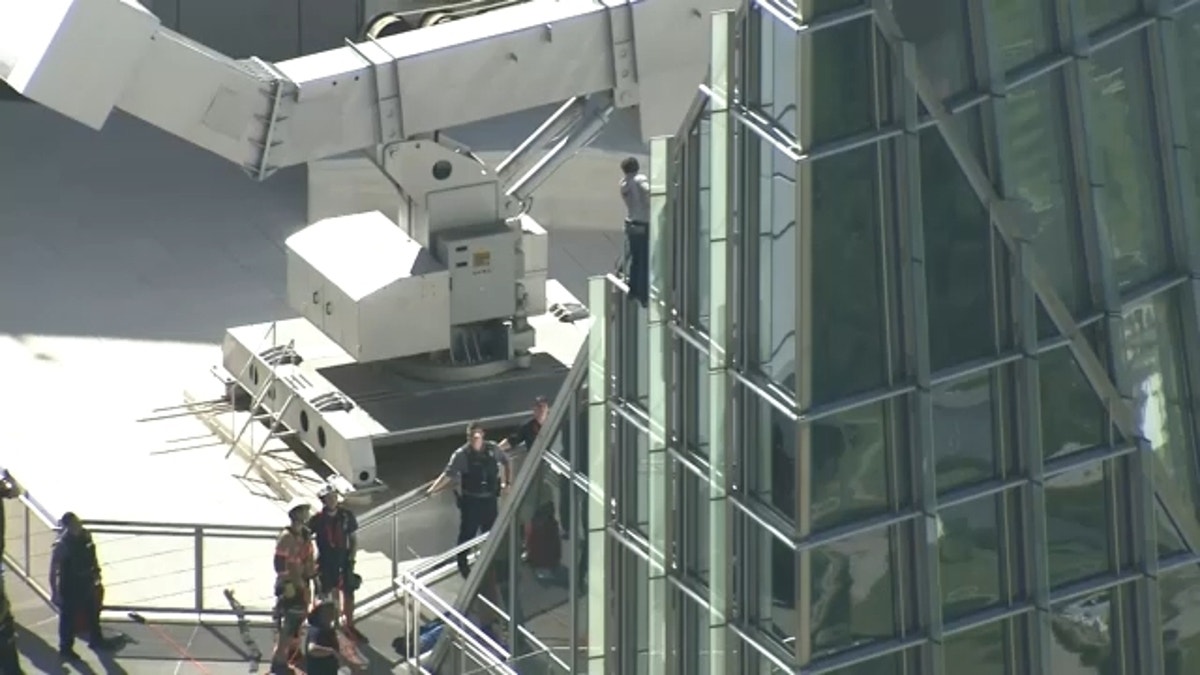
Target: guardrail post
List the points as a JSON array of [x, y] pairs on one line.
[[395, 542], [198, 580], [28, 540]]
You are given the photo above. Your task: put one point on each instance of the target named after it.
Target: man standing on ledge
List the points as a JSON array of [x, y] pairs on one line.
[[474, 471], [635, 190]]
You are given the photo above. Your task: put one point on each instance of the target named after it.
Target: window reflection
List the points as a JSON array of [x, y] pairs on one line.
[[849, 466], [775, 93], [1024, 30], [1155, 366], [775, 231], [853, 592], [1187, 33], [1083, 633], [940, 31], [963, 433], [848, 308], [958, 255], [1077, 524], [1073, 417], [1037, 153], [1129, 203], [1103, 13], [969, 556], [1179, 606], [983, 648], [843, 80]]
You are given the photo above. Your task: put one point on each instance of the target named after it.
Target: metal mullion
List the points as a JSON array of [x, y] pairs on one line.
[[922, 463], [603, 619], [1167, 84], [1028, 437], [1138, 499]]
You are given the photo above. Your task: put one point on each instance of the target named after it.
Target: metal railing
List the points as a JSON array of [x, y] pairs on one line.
[[183, 571]]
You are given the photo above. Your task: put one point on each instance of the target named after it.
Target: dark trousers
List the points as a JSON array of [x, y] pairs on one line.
[[78, 601], [476, 516], [10, 661], [334, 574], [637, 240]]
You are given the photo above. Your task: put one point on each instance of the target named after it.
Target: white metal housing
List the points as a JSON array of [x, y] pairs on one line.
[[370, 287]]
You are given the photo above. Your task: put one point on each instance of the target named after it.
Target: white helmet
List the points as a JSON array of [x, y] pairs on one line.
[[326, 490], [297, 504]]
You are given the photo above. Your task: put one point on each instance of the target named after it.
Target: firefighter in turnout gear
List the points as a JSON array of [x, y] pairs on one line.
[[76, 587], [295, 568], [479, 472], [336, 532]]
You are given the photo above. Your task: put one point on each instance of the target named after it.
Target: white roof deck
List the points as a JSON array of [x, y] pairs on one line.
[[124, 255]]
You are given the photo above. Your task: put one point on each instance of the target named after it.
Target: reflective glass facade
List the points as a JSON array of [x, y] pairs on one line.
[[915, 395]]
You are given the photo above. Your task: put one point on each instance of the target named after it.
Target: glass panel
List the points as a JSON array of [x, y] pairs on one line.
[[777, 58], [1101, 13], [1129, 203], [963, 434], [849, 466], [1169, 540], [958, 256], [1073, 418], [1187, 34], [892, 664], [848, 350], [1078, 524], [1084, 635], [1179, 604], [698, 232], [1038, 156], [779, 616], [1153, 351], [776, 263], [969, 555], [692, 538], [777, 480], [1024, 30], [853, 592], [983, 648], [843, 101], [939, 29]]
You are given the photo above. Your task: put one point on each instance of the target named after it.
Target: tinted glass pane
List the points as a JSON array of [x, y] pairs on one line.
[[1101, 13], [776, 264], [963, 436], [775, 93], [1038, 158], [1077, 522], [777, 483], [983, 648], [843, 80], [939, 29], [849, 466], [1179, 605], [848, 307], [969, 555], [1128, 173], [1169, 541], [892, 664], [1024, 30], [1072, 416], [1187, 33], [1083, 632], [853, 594], [958, 267], [1156, 372], [695, 162]]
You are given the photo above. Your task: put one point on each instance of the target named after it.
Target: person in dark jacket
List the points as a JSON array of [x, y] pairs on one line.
[[76, 586], [9, 489], [528, 432], [336, 531], [475, 471], [322, 653], [10, 660]]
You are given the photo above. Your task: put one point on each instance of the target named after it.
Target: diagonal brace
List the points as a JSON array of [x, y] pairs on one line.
[[1011, 224]]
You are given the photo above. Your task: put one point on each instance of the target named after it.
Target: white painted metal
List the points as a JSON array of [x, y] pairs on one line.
[[448, 75], [362, 281]]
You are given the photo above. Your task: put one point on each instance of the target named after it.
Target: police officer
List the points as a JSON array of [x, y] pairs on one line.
[[10, 660], [75, 586], [475, 471], [336, 532], [295, 568], [528, 431]]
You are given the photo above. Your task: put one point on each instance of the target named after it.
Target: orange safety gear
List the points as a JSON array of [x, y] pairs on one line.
[[295, 561]]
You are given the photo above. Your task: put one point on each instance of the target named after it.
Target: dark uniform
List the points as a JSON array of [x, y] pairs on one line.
[[8, 490], [75, 579], [477, 473], [10, 661], [334, 530]]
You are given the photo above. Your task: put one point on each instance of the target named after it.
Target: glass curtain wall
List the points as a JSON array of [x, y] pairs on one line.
[[916, 385]]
